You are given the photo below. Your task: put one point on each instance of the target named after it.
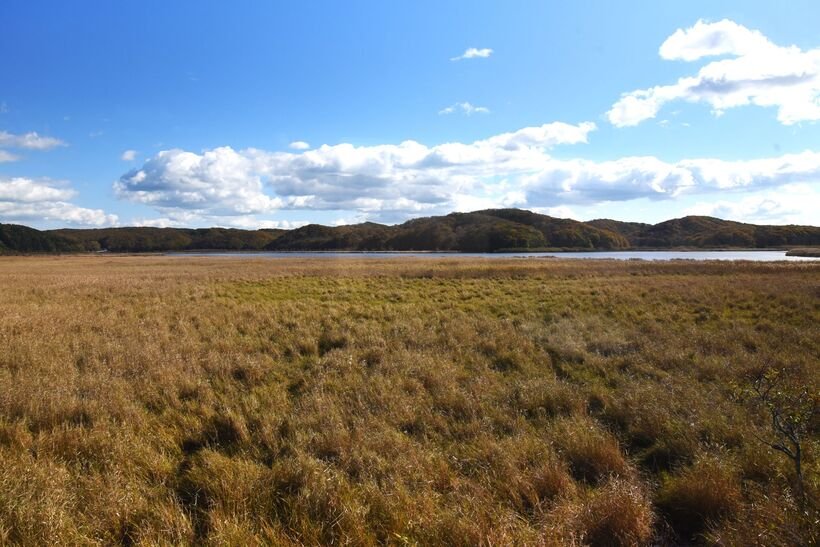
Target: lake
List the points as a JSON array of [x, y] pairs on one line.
[[757, 256]]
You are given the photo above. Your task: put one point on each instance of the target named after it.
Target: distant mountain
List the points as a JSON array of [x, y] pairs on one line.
[[490, 230]]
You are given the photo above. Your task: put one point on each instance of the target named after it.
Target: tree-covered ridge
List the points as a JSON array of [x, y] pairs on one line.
[[490, 230], [701, 231], [22, 239], [147, 239], [483, 231]]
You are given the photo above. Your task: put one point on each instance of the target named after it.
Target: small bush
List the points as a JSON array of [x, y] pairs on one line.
[[541, 398], [328, 341], [701, 496], [547, 482], [593, 453], [619, 514], [226, 430]]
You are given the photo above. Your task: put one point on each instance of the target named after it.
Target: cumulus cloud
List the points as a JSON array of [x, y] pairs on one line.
[[466, 108], [243, 222], [129, 155], [219, 182], [583, 181], [792, 204], [560, 211], [473, 53], [23, 190], [28, 200], [299, 145], [389, 180], [252, 223], [155, 222], [29, 141], [393, 182], [756, 72], [26, 141], [7, 156]]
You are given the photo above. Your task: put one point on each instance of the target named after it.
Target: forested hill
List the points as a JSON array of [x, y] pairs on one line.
[[22, 239], [706, 232], [480, 231]]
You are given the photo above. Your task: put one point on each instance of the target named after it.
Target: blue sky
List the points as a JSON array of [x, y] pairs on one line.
[[188, 113]]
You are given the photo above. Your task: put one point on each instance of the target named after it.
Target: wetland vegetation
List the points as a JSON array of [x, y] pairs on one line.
[[149, 400]]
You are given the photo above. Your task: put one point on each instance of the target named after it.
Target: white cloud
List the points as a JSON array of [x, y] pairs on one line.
[[791, 204], [474, 53], [466, 108], [129, 155], [155, 222], [561, 211], [252, 223], [23, 190], [299, 145], [543, 136], [219, 182], [345, 221], [29, 141], [583, 181], [7, 156], [706, 39], [757, 72], [393, 182], [243, 222], [27, 200], [388, 180]]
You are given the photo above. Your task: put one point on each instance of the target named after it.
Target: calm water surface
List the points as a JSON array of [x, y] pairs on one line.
[[757, 256]]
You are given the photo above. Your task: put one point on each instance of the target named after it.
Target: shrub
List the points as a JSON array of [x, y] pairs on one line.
[[618, 514], [698, 498], [593, 453], [550, 480]]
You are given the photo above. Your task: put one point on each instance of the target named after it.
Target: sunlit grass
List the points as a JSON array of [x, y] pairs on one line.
[[180, 400]]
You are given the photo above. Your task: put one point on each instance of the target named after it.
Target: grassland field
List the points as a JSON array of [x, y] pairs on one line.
[[188, 401]]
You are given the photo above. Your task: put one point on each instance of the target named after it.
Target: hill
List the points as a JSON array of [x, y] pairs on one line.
[[491, 230], [705, 232], [481, 231], [22, 239], [146, 239]]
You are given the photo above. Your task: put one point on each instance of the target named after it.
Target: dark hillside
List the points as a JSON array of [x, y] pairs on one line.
[[697, 231], [367, 236], [147, 239], [490, 230], [22, 239], [626, 229]]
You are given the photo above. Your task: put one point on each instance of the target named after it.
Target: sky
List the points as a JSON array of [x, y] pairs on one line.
[[278, 114]]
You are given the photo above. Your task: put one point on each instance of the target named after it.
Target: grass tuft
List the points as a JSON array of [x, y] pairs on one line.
[[699, 497]]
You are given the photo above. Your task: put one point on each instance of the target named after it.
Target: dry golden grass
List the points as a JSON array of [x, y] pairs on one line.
[[151, 400]]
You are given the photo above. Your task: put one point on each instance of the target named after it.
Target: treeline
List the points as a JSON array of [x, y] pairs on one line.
[[481, 231], [22, 239], [491, 230], [706, 232], [146, 239]]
